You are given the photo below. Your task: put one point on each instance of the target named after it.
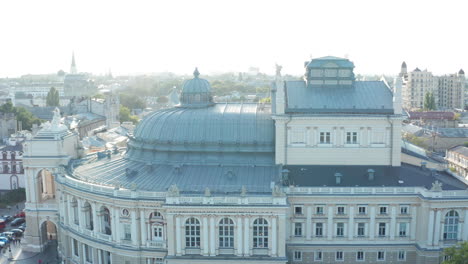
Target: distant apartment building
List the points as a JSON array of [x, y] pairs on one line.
[[448, 90], [11, 170], [457, 158]]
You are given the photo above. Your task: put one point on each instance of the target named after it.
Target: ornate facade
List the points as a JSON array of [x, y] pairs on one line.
[[316, 176]]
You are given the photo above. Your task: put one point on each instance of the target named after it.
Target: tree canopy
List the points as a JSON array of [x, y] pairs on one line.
[[126, 116], [429, 102], [132, 101], [457, 254], [26, 118], [53, 98]]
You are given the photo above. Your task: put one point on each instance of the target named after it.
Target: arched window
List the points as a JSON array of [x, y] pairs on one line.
[[192, 233], [157, 226], [76, 219], [4, 154], [88, 211], [260, 233], [226, 233], [451, 225]]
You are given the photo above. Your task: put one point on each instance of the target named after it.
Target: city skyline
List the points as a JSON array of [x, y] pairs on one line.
[[231, 36]]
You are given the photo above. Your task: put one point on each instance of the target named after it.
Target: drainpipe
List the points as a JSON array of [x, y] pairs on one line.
[[391, 140], [286, 140]]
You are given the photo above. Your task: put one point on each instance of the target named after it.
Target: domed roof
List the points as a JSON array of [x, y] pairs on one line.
[[196, 92], [403, 65], [461, 71], [181, 134]]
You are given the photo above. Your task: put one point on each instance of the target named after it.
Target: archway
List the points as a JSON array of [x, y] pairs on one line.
[[14, 182], [46, 185], [48, 234]]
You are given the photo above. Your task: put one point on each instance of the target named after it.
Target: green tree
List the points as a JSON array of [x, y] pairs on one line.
[[126, 116], [457, 254], [53, 98], [26, 118], [132, 101], [429, 101], [162, 100]]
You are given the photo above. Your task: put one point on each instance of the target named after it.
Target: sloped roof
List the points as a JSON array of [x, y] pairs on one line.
[[320, 62], [453, 132], [460, 150], [433, 115], [370, 97]]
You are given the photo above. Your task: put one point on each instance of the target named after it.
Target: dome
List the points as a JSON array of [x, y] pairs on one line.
[[461, 71], [221, 133], [196, 92], [403, 65]]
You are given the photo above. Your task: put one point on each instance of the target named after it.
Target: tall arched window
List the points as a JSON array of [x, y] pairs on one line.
[[192, 233], [260, 233], [451, 225], [106, 221], [226, 233], [76, 219]]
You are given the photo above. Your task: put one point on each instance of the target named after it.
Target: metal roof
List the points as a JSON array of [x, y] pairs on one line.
[[320, 62], [188, 178], [370, 97], [432, 115], [405, 176], [460, 150], [452, 132]]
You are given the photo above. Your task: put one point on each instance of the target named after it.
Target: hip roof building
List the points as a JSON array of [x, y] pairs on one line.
[[315, 176]]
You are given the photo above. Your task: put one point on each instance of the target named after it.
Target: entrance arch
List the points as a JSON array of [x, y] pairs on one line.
[[46, 185], [48, 234]]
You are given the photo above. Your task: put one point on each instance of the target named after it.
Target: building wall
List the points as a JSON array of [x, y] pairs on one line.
[[418, 84], [298, 141], [8, 125], [458, 162]]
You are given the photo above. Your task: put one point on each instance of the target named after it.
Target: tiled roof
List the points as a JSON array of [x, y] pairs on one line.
[[370, 97]]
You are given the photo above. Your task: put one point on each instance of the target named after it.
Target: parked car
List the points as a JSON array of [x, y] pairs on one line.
[[8, 234], [20, 214], [17, 232], [22, 226], [2, 224], [17, 221], [4, 241], [8, 218]]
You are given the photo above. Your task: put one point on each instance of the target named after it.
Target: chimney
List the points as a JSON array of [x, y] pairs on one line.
[[338, 177], [370, 174]]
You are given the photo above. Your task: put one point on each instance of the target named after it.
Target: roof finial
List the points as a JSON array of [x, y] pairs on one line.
[[196, 73]]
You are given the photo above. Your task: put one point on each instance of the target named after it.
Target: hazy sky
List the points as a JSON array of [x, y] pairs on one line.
[[153, 36]]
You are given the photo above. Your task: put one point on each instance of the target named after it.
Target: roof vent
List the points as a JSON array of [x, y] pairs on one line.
[[338, 177], [130, 173], [370, 174], [423, 165]]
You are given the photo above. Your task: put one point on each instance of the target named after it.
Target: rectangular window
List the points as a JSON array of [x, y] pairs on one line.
[[298, 210], [362, 210], [339, 256], [298, 229], [360, 256], [319, 210], [383, 209], [351, 138], [325, 138], [382, 229], [127, 232], [88, 254], [319, 229], [404, 210], [340, 210], [361, 230], [157, 232], [75, 248], [401, 255], [402, 229], [297, 255], [340, 229], [318, 256], [297, 137], [381, 255]]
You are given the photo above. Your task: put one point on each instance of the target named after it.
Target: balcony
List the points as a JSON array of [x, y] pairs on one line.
[[104, 237]]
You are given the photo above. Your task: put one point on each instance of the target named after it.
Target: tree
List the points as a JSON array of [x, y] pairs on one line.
[[457, 254], [132, 101], [53, 98], [26, 118], [429, 101], [126, 116], [162, 100]]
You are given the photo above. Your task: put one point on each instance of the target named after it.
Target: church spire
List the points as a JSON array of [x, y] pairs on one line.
[[73, 69]]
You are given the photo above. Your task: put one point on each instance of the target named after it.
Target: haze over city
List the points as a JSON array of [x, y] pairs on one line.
[[218, 36]]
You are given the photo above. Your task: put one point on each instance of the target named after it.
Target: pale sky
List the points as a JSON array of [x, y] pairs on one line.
[[152, 36]]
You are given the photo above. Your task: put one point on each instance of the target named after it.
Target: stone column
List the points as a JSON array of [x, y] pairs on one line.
[[178, 237], [96, 223], [392, 222], [282, 236], [274, 237], [330, 223], [239, 237], [116, 228], [372, 223], [308, 227], [71, 221], [414, 217], [212, 236], [81, 214], [171, 235], [437, 228], [351, 223], [134, 230], [144, 230], [465, 226], [430, 228], [205, 236], [246, 236]]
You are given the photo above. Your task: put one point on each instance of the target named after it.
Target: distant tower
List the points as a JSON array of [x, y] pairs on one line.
[[73, 69], [404, 70]]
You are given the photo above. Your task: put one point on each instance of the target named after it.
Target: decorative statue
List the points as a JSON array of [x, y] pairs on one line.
[[207, 192], [436, 186], [173, 191], [56, 119], [277, 192], [133, 186], [278, 70]]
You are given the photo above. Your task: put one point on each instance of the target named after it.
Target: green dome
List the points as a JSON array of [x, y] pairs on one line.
[[196, 92]]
